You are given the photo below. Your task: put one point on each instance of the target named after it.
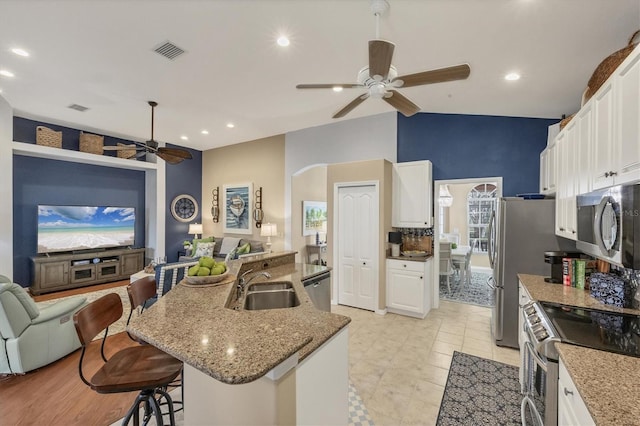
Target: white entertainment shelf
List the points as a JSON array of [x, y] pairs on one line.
[[33, 150]]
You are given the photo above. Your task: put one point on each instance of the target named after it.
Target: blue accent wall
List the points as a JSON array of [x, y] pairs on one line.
[[183, 178], [471, 146], [43, 181]]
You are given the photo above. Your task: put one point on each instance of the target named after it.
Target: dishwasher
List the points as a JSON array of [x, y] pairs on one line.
[[319, 290]]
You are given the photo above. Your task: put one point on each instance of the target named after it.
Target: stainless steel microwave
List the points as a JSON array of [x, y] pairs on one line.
[[609, 224]]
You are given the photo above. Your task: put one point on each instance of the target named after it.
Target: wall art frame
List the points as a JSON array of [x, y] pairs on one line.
[[237, 208]]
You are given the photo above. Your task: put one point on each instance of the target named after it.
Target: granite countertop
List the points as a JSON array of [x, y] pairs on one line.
[[608, 383], [236, 346], [543, 291], [411, 259]]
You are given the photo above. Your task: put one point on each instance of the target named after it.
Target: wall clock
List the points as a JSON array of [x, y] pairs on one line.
[[184, 208]]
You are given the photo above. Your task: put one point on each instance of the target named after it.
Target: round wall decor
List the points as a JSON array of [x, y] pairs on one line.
[[184, 208]]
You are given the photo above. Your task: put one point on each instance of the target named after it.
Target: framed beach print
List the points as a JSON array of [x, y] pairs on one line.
[[236, 215], [314, 217]]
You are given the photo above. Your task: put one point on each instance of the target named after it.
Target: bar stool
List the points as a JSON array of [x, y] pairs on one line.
[[141, 368]]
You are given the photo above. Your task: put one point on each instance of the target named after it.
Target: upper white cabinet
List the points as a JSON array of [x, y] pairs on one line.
[[567, 181], [412, 195], [616, 127], [548, 167]]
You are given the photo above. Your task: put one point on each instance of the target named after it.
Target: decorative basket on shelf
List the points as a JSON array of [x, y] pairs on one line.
[[47, 137], [92, 144], [565, 121], [126, 153], [607, 66]]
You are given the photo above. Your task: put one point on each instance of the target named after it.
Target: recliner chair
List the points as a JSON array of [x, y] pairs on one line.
[[30, 337]]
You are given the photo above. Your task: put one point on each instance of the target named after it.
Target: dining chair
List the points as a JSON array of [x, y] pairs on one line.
[[142, 368], [446, 265]]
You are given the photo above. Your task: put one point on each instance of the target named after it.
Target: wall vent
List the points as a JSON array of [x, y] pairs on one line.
[[78, 107], [168, 50]]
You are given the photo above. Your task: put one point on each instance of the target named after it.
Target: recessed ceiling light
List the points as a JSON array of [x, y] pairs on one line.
[[7, 73], [283, 41], [231, 125], [205, 132], [184, 138], [20, 52], [337, 88], [512, 76]]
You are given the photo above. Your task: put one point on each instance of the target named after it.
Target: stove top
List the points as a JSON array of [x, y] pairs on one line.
[[606, 331]]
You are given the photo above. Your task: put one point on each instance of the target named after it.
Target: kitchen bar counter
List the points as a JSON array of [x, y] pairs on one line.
[[608, 383], [236, 346], [543, 291]]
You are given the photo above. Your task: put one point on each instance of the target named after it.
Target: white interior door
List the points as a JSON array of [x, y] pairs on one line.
[[357, 246]]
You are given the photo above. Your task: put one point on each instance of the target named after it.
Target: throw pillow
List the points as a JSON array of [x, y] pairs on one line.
[[204, 249], [228, 244], [244, 249], [194, 245]]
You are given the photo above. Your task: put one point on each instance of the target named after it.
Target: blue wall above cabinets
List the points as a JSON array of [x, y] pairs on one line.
[[42, 181], [183, 178], [470, 146]]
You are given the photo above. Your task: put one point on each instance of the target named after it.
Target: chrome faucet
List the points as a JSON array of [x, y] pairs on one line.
[[243, 282]]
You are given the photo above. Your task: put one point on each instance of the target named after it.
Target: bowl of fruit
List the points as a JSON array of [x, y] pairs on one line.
[[207, 271]]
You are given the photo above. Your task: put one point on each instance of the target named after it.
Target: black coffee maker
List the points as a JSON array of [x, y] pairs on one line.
[[554, 258]]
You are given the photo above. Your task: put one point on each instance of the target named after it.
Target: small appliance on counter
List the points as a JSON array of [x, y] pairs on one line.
[[395, 239], [554, 258]]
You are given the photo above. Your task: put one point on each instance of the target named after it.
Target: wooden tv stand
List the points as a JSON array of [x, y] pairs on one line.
[[72, 270]]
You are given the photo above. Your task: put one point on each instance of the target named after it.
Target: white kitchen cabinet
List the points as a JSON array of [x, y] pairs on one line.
[[583, 148], [548, 168], [412, 195], [572, 410], [566, 185], [409, 287], [627, 120], [603, 132]]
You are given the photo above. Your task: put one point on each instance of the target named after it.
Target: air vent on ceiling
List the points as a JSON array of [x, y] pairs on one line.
[[78, 107], [168, 50]]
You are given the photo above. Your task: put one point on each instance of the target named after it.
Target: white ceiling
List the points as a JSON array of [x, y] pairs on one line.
[[99, 54]]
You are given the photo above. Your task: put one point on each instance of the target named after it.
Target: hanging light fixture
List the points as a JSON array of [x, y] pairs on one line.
[[446, 199]]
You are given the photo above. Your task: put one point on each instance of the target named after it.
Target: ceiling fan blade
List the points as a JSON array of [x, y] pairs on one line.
[[354, 103], [120, 148], [329, 86], [175, 152], [401, 103], [457, 72], [171, 159], [380, 55]]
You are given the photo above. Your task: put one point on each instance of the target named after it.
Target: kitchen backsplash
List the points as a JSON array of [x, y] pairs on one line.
[[416, 239]]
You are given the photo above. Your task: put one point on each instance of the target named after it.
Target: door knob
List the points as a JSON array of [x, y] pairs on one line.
[[568, 392]]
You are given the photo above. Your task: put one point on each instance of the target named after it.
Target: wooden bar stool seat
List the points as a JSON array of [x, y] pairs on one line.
[[141, 368]]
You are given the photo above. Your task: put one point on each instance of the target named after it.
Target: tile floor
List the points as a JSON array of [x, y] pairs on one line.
[[399, 365]]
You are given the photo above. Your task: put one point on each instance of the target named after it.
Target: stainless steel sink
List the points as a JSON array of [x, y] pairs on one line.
[[271, 285], [272, 295]]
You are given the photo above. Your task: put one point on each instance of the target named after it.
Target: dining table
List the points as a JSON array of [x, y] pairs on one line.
[[459, 259]]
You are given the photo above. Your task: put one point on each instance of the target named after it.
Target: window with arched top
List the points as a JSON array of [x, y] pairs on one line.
[[480, 202]]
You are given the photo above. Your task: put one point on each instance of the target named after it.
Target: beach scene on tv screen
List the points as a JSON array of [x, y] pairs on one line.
[[68, 228]]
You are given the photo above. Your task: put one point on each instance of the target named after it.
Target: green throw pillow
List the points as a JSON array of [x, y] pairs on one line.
[[244, 249], [194, 244]]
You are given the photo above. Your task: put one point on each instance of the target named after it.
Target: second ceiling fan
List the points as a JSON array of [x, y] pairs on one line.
[[380, 78], [170, 155]]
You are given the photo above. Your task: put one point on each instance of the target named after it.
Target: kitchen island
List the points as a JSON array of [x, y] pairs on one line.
[[607, 382], [253, 367]]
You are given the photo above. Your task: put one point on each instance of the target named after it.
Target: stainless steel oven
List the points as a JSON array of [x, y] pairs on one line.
[[539, 369]]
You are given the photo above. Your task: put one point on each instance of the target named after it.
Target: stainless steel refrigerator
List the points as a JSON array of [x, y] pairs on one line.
[[519, 233]]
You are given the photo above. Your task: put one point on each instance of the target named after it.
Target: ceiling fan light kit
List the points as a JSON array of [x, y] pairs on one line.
[[170, 155], [380, 77]]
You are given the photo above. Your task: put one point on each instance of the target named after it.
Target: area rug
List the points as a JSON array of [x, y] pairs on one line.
[[358, 414], [480, 391], [478, 293], [118, 326]]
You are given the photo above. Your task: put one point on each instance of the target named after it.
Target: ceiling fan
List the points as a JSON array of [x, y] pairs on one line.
[[170, 155], [380, 78]]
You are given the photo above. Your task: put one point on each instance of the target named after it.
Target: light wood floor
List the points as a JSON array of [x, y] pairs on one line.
[[55, 395]]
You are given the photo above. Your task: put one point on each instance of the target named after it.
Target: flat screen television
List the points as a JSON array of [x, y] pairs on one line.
[[74, 228]]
